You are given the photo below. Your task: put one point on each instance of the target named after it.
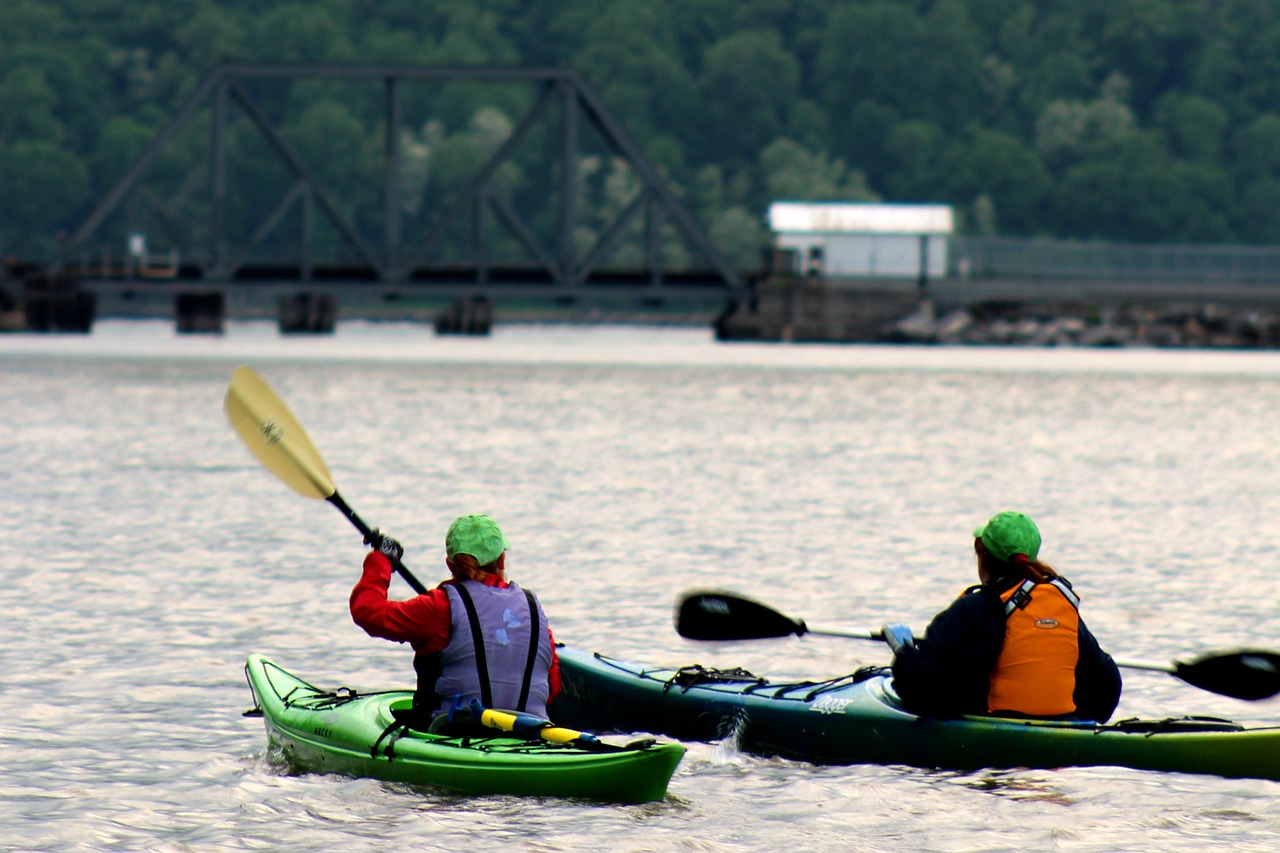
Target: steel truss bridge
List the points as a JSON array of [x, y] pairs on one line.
[[289, 249]]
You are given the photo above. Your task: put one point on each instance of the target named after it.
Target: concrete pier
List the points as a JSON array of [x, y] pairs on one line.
[[809, 309]]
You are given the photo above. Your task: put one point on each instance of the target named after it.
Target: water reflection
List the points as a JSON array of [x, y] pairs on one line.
[[148, 555], [1018, 785]]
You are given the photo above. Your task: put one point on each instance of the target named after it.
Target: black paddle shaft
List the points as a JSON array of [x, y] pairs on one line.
[[374, 537], [1249, 674]]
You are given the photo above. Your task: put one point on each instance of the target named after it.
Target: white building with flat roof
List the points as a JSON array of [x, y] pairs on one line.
[[864, 239]]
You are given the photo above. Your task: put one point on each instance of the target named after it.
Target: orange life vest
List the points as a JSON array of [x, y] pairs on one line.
[[1036, 671]]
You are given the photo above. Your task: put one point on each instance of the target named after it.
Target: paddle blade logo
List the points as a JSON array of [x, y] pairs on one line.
[[715, 605], [1258, 663], [271, 431], [1046, 623]]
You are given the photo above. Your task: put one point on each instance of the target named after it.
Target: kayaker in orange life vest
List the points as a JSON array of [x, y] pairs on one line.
[[475, 636], [1014, 645]]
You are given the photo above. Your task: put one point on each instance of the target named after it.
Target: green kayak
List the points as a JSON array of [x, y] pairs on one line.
[[357, 734], [857, 719]]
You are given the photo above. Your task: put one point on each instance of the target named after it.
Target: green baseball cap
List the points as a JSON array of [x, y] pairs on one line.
[[1009, 533], [477, 535]]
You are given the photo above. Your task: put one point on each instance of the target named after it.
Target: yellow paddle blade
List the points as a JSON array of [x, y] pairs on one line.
[[272, 434]]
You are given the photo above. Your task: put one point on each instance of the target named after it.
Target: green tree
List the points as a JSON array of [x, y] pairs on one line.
[[27, 108], [335, 147], [297, 32], [706, 191], [459, 157], [456, 160], [212, 36], [80, 97], [999, 166], [768, 96], [1137, 193], [1259, 50], [741, 237], [1219, 73], [474, 33], [627, 56], [867, 58], [1007, 21], [957, 52], [393, 45], [45, 186], [122, 141], [794, 172], [1195, 126], [1256, 153], [1151, 42], [873, 52], [32, 22], [748, 84], [866, 133], [1259, 217], [912, 150], [1069, 130], [1060, 77]]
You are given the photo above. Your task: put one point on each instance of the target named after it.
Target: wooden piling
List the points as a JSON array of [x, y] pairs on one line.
[[200, 313], [308, 313], [466, 315]]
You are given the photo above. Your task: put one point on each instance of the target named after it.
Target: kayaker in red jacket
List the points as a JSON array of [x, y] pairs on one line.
[[1014, 645], [475, 636]]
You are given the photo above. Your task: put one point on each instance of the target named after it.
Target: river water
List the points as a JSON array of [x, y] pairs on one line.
[[146, 553]]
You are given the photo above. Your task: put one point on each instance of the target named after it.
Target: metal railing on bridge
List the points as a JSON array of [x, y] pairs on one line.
[[1008, 257]]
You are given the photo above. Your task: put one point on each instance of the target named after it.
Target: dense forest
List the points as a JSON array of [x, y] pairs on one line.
[[1121, 120]]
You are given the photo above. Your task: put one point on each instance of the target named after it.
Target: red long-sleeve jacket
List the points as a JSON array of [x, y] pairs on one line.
[[422, 621]]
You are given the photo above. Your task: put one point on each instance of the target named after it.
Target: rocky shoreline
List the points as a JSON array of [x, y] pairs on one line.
[[790, 310], [1057, 325]]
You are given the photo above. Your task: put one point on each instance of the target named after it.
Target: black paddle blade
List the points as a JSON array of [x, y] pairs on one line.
[[1244, 674], [712, 615]]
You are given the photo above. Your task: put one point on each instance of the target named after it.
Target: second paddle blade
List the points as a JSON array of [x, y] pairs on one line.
[[713, 615], [1244, 674]]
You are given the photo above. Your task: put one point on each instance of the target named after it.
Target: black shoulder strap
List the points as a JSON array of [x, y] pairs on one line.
[[1022, 597], [535, 636], [477, 637], [1019, 599], [1064, 587]]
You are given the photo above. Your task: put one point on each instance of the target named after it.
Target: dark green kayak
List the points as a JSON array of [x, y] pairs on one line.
[[856, 719], [344, 732]]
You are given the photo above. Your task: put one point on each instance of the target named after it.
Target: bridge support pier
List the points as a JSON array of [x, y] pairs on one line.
[[308, 313], [467, 315], [55, 304], [13, 314], [200, 313], [792, 309]]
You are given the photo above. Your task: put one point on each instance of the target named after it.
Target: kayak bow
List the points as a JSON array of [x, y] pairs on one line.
[[357, 734]]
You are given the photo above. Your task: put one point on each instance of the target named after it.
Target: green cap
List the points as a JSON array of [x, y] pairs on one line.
[[477, 535], [1009, 533]]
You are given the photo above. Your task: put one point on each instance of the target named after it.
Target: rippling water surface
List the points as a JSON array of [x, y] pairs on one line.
[[146, 554]]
